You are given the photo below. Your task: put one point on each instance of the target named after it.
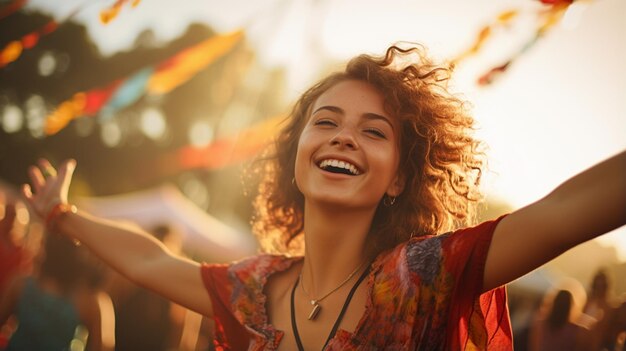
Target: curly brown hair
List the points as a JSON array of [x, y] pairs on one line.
[[440, 161]]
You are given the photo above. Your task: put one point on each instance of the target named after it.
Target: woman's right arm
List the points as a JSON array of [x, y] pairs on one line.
[[141, 258], [130, 251]]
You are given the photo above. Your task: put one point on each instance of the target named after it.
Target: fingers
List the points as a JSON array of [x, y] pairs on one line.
[[48, 187], [46, 168], [44, 174], [66, 171], [36, 178], [28, 194]]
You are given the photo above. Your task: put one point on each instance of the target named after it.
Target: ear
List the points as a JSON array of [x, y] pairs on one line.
[[397, 185]]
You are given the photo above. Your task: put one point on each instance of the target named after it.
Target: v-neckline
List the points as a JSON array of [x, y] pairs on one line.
[[285, 264]]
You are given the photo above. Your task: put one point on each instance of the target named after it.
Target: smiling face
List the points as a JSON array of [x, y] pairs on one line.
[[348, 150]]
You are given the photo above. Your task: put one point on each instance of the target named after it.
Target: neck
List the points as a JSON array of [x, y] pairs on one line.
[[335, 245]]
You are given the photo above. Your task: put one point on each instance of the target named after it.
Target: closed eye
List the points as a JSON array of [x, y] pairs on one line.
[[376, 132], [325, 122]]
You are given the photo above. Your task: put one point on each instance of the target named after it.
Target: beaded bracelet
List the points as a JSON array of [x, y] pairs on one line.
[[59, 210]]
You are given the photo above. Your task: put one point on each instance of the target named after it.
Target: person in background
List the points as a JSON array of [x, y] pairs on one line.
[[558, 325], [616, 335], [599, 308], [14, 256], [16, 252], [56, 305]]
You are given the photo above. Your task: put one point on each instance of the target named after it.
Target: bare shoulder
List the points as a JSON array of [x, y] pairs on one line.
[[279, 284], [278, 291]]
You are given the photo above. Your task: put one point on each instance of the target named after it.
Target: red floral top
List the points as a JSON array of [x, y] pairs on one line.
[[423, 295]]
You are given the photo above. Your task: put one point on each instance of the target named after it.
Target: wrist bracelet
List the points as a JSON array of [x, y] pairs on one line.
[[59, 210]]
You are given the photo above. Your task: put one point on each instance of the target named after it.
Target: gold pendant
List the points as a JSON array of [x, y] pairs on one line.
[[315, 311]]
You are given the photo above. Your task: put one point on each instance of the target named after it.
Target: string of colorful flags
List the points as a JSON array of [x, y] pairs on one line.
[[159, 79], [162, 78], [154, 80], [547, 19], [14, 49]]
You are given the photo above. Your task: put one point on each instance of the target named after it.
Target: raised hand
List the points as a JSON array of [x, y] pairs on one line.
[[49, 186]]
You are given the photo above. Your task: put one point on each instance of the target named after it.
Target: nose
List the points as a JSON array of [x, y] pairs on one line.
[[344, 138]]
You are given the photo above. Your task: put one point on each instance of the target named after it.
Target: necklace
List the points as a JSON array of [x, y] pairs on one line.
[[294, 325], [316, 302]]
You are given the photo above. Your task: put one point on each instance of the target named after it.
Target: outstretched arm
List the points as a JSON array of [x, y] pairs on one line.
[[132, 252], [588, 205]]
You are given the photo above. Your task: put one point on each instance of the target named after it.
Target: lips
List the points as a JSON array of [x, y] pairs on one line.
[[338, 166]]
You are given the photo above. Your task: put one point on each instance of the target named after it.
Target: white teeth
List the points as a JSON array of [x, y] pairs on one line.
[[339, 164]]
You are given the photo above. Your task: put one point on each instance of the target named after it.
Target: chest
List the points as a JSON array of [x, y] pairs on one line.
[[292, 317], [389, 310]]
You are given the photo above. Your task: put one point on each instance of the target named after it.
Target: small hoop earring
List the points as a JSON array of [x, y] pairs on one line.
[[389, 200], [293, 181]]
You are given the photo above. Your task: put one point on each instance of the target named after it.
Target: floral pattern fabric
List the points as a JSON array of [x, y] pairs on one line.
[[425, 294]]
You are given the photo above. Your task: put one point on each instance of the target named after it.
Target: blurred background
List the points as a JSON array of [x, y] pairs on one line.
[[163, 103]]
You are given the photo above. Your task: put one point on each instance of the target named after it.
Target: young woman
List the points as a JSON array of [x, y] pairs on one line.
[[374, 162]]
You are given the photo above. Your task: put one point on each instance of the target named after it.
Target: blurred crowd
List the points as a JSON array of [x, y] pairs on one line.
[[54, 295], [570, 317]]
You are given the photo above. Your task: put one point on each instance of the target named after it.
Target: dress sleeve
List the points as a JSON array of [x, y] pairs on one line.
[[480, 320], [230, 334]]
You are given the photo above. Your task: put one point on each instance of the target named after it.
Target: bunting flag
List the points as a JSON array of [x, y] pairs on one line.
[[13, 50], [109, 13], [551, 17], [225, 151], [82, 103], [127, 93], [503, 19], [187, 63], [65, 112], [11, 8], [122, 93], [546, 18], [95, 99]]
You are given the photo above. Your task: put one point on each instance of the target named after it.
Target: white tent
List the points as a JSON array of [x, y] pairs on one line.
[[203, 236]]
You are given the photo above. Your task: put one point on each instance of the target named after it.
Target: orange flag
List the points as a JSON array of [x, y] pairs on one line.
[[180, 68], [109, 13], [66, 112], [230, 150]]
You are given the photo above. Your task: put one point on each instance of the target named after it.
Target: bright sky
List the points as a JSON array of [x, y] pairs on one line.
[[558, 110]]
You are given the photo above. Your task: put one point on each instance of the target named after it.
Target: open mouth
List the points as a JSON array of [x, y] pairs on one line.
[[341, 167]]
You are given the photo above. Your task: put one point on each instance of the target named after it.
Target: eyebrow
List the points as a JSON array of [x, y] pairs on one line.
[[368, 115]]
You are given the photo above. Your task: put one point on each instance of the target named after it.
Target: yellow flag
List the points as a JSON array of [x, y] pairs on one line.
[[187, 63], [65, 113], [11, 52]]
